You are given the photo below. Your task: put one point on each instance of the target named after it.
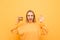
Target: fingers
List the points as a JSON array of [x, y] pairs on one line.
[[41, 19]]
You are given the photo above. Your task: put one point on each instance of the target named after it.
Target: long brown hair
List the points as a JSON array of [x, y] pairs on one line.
[[33, 15]]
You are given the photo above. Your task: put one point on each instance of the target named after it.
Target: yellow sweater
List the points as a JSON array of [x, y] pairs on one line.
[[29, 31]]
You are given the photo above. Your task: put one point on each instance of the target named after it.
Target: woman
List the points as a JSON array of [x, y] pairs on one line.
[[31, 30]]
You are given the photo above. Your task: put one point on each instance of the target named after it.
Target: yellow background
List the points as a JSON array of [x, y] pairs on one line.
[[11, 9]]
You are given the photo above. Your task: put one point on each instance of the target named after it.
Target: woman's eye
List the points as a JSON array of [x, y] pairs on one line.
[[28, 15], [31, 15]]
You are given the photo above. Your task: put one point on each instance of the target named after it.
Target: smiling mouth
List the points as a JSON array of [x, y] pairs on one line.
[[30, 19]]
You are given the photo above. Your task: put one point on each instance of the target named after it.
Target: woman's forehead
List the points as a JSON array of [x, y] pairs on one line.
[[30, 13]]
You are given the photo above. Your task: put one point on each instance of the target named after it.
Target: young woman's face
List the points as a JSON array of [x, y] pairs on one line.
[[30, 16]]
